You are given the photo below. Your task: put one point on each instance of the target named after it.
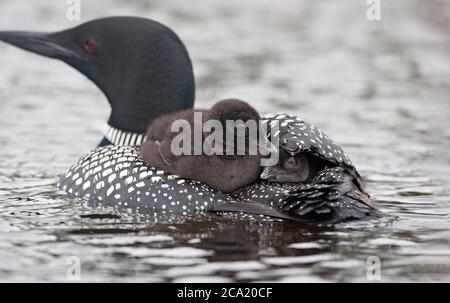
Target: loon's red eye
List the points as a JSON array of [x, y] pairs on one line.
[[90, 46]]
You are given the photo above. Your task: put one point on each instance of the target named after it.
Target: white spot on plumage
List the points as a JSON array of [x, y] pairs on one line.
[[144, 174], [111, 178], [110, 190], [156, 179], [86, 185], [107, 172]]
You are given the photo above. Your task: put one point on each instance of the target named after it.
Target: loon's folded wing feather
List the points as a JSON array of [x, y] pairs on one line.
[[342, 201], [332, 197], [251, 208]]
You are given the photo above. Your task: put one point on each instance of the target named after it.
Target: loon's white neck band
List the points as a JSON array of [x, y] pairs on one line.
[[120, 137]]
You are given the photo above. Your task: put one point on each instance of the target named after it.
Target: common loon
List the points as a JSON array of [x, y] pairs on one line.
[[222, 171], [144, 70]]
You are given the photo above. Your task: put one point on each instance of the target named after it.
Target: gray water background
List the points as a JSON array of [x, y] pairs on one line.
[[381, 89]]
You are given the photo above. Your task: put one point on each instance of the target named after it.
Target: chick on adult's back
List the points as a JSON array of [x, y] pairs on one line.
[[224, 163]]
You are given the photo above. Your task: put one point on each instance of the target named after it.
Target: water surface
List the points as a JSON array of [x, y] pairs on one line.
[[381, 89]]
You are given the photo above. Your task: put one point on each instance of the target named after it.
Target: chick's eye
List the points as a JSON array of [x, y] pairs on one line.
[[90, 45], [291, 162]]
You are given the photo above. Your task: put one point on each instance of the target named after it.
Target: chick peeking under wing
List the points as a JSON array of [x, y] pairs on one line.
[[301, 167]]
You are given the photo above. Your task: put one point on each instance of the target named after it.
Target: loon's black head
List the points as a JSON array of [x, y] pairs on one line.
[[140, 65]]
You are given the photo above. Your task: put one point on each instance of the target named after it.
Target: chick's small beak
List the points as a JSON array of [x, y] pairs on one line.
[[268, 174]]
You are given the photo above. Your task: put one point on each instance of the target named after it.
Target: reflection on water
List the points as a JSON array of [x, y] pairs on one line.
[[379, 88]]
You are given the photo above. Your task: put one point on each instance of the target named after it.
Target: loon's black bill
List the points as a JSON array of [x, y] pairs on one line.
[[39, 43]]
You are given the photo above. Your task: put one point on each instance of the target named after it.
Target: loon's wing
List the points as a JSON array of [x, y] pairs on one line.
[[117, 176], [298, 136], [331, 197]]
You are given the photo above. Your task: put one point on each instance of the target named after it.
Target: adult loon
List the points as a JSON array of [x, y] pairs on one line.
[[220, 166], [144, 70]]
